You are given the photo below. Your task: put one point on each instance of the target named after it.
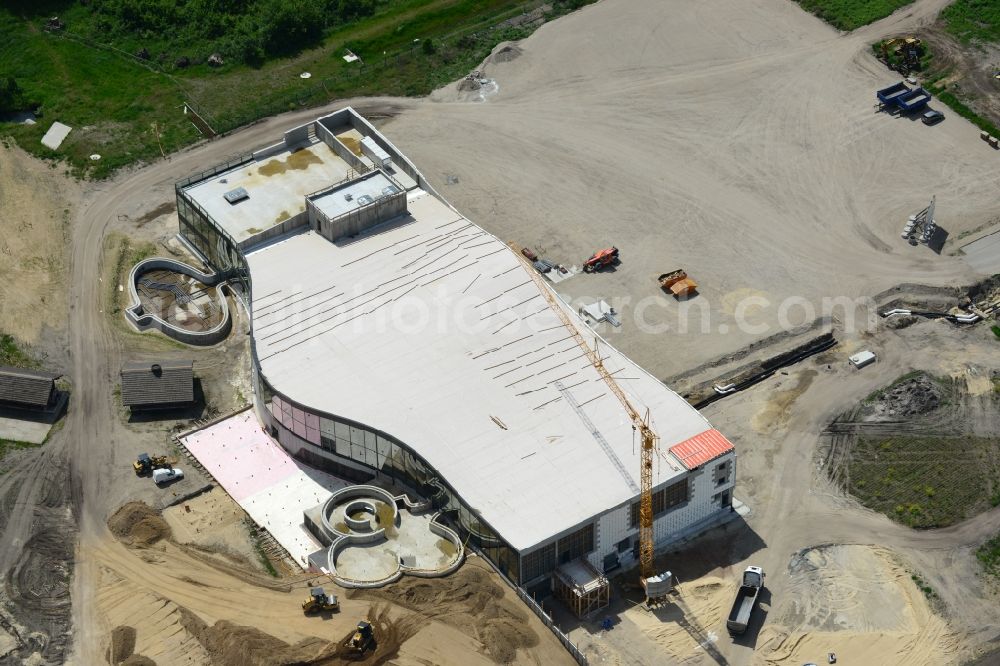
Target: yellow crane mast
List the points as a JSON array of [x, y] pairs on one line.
[[640, 423]]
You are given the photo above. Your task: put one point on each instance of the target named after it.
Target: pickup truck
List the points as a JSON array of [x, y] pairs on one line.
[[746, 599]]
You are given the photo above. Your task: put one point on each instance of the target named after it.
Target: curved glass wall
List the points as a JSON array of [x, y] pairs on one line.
[[388, 456]]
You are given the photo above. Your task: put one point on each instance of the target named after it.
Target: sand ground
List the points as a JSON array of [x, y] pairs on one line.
[[735, 138], [36, 199]]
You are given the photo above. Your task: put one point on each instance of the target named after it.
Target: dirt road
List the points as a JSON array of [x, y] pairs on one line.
[[733, 137]]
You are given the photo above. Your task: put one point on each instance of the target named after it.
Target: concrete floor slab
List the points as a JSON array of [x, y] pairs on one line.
[[984, 254], [16, 430], [272, 487]]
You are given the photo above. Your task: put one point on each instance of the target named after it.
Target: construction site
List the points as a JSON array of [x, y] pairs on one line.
[[601, 365]]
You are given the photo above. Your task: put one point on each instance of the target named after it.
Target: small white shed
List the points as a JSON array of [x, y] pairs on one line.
[[862, 358]]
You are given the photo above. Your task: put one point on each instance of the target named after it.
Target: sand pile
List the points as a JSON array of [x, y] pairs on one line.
[[471, 600], [122, 644], [137, 524], [229, 644]]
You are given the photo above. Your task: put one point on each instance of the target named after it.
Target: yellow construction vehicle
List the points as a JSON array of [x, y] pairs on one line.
[[146, 463], [319, 601], [901, 53], [362, 640]]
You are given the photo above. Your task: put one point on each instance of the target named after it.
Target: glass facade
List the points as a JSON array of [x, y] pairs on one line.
[[218, 248], [664, 499], [340, 438], [387, 457]]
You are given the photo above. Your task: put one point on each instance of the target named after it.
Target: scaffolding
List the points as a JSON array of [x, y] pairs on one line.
[[582, 588]]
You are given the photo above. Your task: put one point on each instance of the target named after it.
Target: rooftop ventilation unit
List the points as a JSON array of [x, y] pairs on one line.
[[365, 199], [236, 196]]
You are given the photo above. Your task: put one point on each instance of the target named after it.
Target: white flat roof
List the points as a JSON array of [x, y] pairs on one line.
[[429, 329], [335, 202], [277, 186]]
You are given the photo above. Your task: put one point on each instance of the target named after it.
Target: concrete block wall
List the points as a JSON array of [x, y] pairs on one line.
[[297, 135], [680, 522], [337, 146], [356, 221], [677, 524], [293, 223]]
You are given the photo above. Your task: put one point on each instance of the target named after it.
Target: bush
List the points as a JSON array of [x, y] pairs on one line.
[[12, 97]]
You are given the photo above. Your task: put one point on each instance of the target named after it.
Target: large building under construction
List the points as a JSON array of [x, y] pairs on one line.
[[395, 340]]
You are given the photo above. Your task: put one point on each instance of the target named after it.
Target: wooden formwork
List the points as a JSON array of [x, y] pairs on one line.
[[584, 594]]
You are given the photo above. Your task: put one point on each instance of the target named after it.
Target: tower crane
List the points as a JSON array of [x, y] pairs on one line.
[[640, 423]]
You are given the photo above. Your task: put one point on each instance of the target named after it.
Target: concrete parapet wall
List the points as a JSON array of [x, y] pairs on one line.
[[288, 226], [297, 135], [337, 146], [340, 541], [143, 321], [269, 151]]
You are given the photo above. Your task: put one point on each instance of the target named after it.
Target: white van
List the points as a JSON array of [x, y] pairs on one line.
[[161, 476]]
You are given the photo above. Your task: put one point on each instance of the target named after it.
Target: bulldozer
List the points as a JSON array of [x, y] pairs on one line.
[[145, 463], [601, 259], [319, 601], [362, 640]]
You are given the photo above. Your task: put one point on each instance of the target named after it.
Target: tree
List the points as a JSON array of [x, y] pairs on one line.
[[12, 97]]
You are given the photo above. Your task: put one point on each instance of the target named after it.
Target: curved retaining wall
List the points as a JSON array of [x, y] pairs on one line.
[[342, 541], [144, 321]]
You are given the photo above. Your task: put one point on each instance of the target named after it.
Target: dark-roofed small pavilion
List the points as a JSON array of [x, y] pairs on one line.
[[33, 389], [157, 384]]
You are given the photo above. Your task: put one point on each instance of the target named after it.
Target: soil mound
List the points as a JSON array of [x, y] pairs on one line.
[[138, 660], [910, 397], [506, 53], [469, 85], [122, 644], [471, 600], [137, 524], [230, 644]]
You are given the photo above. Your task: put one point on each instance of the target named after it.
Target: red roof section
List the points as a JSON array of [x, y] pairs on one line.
[[702, 448]]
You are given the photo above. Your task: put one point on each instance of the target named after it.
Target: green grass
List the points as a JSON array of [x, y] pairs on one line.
[[959, 107], [12, 354], [6, 446], [925, 482], [989, 556], [973, 20], [851, 14], [996, 330], [130, 111], [258, 547]]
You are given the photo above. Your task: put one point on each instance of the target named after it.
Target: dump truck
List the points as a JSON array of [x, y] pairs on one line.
[[319, 601], [601, 259], [913, 100], [746, 599], [145, 463], [362, 640], [678, 283], [889, 96]]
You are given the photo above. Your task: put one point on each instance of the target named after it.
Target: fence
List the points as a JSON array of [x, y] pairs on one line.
[[546, 618]]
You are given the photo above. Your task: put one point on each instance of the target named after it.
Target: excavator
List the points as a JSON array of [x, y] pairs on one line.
[[601, 259], [362, 640], [145, 464], [319, 601]]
